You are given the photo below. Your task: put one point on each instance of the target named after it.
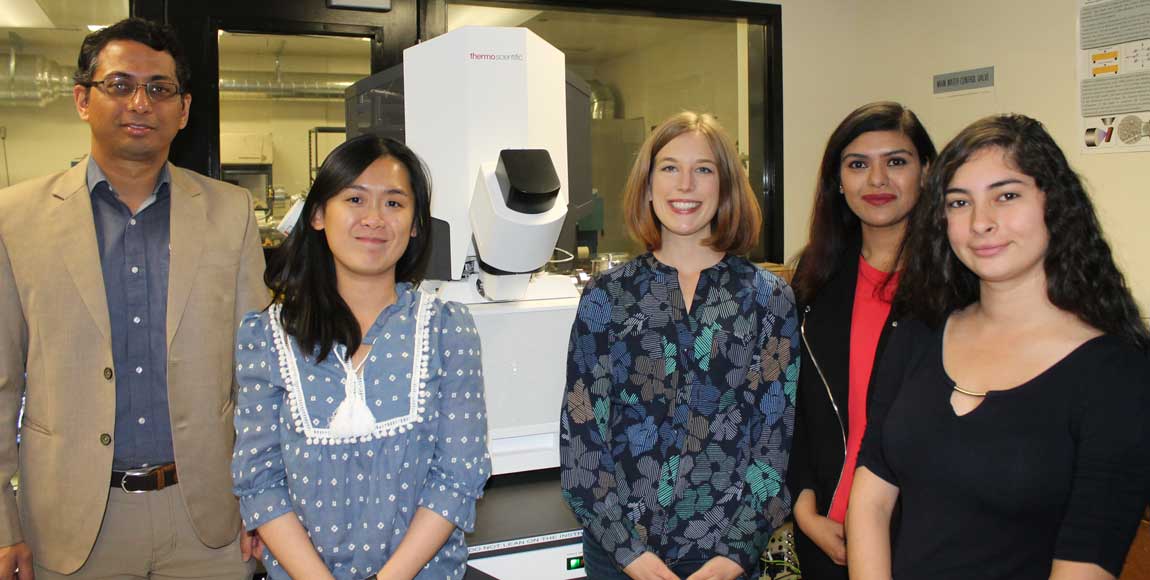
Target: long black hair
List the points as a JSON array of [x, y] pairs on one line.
[[301, 273], [1081, 276], [835, 229]]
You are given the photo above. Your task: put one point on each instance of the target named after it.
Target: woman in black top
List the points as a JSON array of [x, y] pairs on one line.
[[869, 180], [1011, 423]]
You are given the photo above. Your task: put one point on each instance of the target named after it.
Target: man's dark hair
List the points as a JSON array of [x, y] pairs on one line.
[[156, 36]]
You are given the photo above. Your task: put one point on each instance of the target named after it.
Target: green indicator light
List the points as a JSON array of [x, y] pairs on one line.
[[575, 563]]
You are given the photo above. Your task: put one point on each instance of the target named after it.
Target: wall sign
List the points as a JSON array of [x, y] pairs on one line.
[[964, 80]]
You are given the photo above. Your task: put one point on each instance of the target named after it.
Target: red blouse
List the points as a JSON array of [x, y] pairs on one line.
[[871, 309]]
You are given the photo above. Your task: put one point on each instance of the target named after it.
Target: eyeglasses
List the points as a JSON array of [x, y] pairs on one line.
[[126, 87]]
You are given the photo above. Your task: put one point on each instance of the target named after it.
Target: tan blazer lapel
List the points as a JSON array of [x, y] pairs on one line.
[[189, 222], [75, 234]]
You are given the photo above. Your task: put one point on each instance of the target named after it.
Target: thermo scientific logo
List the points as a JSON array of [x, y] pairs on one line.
[[495, 57]]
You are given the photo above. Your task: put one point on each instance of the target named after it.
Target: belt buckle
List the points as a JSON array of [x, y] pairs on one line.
[[138, 472]]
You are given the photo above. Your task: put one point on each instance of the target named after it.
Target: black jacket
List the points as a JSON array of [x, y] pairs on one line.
[[821, 421]]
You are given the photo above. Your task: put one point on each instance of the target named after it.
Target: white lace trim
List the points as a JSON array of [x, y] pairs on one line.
[[417, 395]]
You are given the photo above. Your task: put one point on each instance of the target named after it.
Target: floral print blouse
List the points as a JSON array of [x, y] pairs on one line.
[[425, 444], [677, 425]]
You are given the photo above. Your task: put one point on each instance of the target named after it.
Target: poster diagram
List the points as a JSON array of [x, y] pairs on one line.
[[1114, 75]]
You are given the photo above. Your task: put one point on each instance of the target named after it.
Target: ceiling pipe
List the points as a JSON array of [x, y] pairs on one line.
[[283, 85], [32, 80]]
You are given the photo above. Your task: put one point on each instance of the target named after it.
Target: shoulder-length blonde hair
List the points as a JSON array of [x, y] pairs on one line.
[[738, 220]]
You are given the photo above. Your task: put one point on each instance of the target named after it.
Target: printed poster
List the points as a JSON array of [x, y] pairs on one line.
[[1114, 75]]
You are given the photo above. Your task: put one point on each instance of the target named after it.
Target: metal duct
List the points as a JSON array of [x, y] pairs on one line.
[[602, 101], [33, 80], [271, 85]]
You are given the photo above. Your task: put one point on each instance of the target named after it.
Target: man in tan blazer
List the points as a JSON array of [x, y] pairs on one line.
[[122, 282]]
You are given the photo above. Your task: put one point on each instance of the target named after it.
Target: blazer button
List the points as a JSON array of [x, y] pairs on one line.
[[108, 373], [105, 439]]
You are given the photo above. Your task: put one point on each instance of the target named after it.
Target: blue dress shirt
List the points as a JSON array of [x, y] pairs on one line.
[[134, 257]]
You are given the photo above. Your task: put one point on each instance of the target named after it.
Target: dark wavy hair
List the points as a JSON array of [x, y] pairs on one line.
[[1081, 276], [154, 35], [301, 272], [835, 229]]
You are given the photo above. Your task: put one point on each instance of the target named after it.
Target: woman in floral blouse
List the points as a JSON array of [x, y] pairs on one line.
[[679, 410], [360, 426]]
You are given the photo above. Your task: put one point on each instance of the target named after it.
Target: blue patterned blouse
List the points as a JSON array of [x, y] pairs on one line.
[[356, 491], [677, 426]]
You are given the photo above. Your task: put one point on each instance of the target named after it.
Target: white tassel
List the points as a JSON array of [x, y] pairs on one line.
[[353, 418]]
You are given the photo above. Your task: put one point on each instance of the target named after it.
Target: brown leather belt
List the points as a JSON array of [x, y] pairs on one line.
[[146, 478]]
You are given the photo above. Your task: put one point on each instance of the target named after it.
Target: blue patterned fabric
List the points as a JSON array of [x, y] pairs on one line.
[[677, 426], [356, 497]]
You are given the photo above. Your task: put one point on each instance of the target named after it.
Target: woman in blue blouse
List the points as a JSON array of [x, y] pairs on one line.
[[360, 423], [679, 410]]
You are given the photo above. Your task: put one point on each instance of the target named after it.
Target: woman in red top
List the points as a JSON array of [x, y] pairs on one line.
[[868, 182]]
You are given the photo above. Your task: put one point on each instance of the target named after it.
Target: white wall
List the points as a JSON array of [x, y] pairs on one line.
[[289, 121], [43, 140], [666, 78], [842, 53]]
